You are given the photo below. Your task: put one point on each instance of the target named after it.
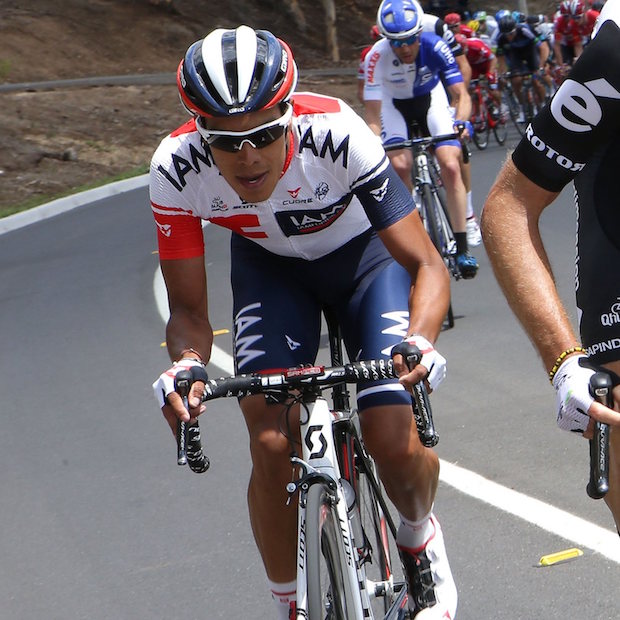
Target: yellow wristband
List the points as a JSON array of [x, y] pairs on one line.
[[561, 358]]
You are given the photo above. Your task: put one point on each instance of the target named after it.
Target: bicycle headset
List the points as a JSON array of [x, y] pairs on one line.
[[236, 71], [399, 19]]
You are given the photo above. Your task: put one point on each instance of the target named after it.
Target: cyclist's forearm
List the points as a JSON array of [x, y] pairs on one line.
[[512, 239], [372, 115], [189, 335], [461, 101], [429, 301]]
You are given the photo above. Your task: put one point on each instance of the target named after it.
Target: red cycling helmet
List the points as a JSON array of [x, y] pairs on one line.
[[452, 19]]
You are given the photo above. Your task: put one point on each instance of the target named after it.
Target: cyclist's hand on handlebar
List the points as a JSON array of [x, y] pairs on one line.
[[465, 128], [577, 410], [171, 403], [431, 368]]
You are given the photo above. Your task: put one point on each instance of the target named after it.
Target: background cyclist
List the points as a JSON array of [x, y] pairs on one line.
[[361, 70], [404, 74], [483, 64], [572, 28], [318, 216], [587, 136], [433, 24], [520, 51]]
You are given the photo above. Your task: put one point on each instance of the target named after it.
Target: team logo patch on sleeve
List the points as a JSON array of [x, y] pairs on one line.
[[379, 193]]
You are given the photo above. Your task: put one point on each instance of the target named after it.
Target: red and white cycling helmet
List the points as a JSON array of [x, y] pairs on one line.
[[236, 71], [572, 8], [577, 8]]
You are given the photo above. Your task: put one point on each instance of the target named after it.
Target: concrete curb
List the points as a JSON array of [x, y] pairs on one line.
[[62, 205]]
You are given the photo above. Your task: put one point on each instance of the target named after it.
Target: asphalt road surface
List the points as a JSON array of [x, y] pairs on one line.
[[98, 522]]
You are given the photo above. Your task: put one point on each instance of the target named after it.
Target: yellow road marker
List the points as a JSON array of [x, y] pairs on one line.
[[560, 556]]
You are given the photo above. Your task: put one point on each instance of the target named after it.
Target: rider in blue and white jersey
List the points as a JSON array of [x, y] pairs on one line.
[[404, 73], [318, 217]]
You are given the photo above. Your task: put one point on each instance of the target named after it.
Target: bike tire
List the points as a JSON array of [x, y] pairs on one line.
[[433, 227], [481, 126], [500, 131], [530, 108], [377, 550], [330, 595], [514, 109]]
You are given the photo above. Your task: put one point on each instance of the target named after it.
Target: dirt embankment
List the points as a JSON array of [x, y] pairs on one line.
[[58, 140]]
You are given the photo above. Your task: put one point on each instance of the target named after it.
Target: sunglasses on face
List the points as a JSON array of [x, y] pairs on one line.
[[258, 137], [409, 41]]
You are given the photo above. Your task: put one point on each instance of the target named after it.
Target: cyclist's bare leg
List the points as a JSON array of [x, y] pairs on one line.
[[516, 87], [274, 524], [466, 175], [613, 496], [402, 160], [449, 158], [408, 470]]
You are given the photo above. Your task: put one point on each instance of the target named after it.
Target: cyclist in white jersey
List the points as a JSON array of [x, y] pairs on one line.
[[576, 136], [435, 25], [318, 216], [404, 73]]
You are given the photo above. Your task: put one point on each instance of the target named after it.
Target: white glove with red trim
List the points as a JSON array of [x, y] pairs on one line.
[[431, 360], [165, 384], [572, 384]]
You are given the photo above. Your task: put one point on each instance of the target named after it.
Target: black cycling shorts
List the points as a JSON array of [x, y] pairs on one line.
[[523, 59], [598, 286]]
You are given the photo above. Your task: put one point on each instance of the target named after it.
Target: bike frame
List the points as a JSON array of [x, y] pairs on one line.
[[422, 177], [319, 465], [330, 440]]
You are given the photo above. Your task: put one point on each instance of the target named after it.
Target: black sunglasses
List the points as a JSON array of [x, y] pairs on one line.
[[258, 137]]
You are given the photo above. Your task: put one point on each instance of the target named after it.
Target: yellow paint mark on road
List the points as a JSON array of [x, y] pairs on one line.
[[560, 556]]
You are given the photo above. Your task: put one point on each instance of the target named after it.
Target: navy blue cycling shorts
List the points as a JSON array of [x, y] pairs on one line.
[[277, 304]]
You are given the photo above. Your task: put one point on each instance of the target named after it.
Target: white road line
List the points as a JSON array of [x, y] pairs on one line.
[[574, 529], [545, 516]]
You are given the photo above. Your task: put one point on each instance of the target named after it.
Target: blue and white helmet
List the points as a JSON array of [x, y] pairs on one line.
[[399, 19]]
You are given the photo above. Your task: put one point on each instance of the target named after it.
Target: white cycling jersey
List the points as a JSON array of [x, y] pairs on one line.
[[388, 78], [336, 181]]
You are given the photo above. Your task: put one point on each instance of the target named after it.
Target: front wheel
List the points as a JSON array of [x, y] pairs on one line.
[[436, 225], [500, 127], [514, 110], [330, 595], [481, 125]]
